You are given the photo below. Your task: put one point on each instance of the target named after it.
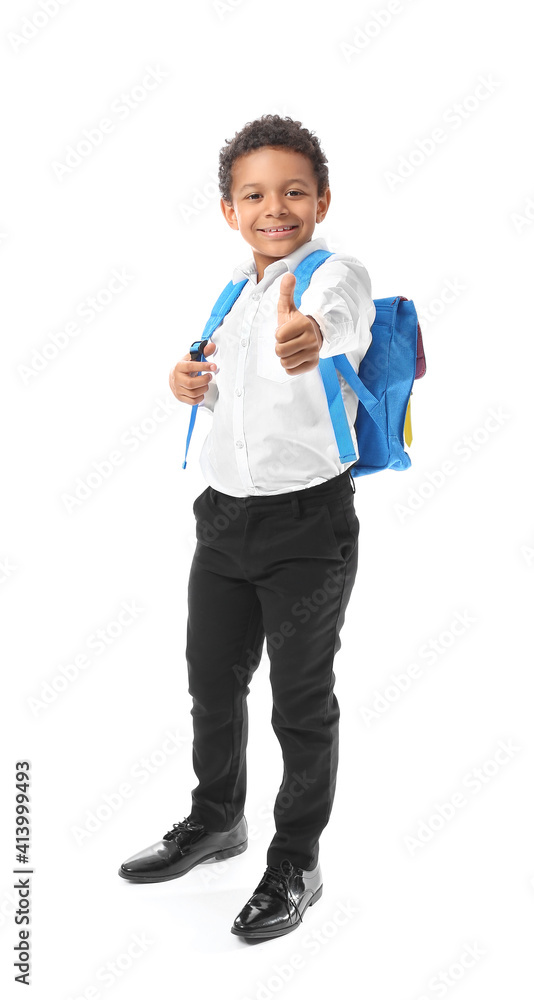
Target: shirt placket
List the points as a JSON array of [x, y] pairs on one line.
[[240, 441]]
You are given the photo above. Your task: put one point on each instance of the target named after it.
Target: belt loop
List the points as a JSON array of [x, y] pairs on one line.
[[296, 506], [352, 483]]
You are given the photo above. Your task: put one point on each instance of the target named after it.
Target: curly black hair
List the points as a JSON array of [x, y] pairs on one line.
[[272, 130]]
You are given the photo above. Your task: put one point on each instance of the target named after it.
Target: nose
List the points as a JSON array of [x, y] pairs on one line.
[[275, 206]]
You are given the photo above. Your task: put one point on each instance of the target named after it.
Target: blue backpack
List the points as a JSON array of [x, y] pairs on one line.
[[383, 385]]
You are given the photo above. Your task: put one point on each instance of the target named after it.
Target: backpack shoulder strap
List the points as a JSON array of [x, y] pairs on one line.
[[304, 271], [327, 367], [336, 406], [222, 306]]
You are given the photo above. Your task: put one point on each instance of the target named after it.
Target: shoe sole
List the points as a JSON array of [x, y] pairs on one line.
[[228, 852], [262, 934]]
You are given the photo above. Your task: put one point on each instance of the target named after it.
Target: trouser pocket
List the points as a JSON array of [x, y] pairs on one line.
[[343, 525], [199, 500]]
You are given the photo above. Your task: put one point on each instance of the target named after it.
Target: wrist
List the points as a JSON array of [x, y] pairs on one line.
[[317, 329]]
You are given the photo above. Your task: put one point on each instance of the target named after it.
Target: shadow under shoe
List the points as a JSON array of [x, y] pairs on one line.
[[279, 901], [188, 844]]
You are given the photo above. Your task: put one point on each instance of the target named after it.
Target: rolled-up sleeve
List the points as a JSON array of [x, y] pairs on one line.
[[339, 299]]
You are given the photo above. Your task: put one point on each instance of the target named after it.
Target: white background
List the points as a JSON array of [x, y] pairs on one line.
[[144, 201]]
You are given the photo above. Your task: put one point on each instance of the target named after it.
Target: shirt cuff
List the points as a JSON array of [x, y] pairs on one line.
[[346, 337], [343, 338]]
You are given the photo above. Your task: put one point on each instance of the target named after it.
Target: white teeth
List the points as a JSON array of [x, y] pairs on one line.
[[280, 229]]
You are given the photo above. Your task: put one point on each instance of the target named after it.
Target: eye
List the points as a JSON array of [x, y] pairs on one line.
[[252, 196], [295, 192]]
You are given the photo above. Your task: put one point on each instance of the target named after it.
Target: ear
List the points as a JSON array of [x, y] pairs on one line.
[[229, 213], [323, 205]]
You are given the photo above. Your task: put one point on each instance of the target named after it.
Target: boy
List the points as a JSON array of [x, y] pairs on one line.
[[282, 564]]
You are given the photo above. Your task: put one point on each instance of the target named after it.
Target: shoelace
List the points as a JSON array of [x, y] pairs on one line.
[[185, 825], [278, 877]]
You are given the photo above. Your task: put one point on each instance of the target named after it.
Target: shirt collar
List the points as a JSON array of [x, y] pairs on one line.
[[247, 269]]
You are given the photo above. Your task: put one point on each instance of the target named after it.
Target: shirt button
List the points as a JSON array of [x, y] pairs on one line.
[[239, 444], [238, 392], [255, 296], [243, 343]]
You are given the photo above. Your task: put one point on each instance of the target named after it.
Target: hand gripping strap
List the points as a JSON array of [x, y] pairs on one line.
[[222, 306]]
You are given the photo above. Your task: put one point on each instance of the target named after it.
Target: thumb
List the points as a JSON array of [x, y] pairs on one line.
[[286, 304], [209, 349]]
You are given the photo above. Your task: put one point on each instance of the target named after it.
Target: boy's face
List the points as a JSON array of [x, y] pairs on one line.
[[271, 188]]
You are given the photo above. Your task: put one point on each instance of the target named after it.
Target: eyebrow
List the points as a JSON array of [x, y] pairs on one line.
[[293, 180]]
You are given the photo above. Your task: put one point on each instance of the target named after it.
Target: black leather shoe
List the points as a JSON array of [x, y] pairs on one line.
[[186, 845], [279, 901]]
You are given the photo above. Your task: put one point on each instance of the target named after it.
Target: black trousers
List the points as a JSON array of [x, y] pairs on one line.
[[279, 568]]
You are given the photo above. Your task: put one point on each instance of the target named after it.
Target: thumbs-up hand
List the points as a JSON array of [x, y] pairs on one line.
[[298, 336]]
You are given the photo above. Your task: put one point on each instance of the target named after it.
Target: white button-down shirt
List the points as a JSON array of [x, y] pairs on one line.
[[271, 431]]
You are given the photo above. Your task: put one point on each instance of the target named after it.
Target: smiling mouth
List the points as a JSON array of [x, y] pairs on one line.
[[278, 229]]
